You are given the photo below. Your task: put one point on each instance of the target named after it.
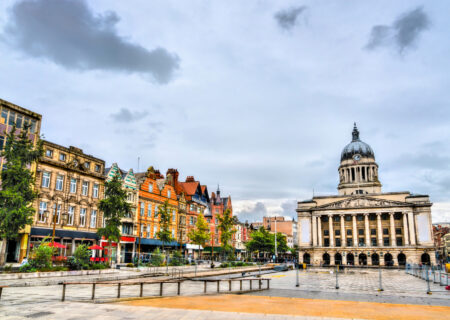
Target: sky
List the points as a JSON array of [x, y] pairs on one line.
[[257, 96]]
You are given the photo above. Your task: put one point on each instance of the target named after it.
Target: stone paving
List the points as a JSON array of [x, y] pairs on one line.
[[38, 301]]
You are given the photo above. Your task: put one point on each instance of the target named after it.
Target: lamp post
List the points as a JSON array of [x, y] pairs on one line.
[[276, 252]]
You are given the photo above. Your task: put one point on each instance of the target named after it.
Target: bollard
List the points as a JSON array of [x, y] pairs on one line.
[[179, 288], [337, 281], [118, 290], [229, 285], [250, 284], [93, 291], [141, 292], [218, 285], [259, 283], [240, 285], [260, 270], [297, 282], [204, 286], [428, 283], [161, 288], [196, 269], [380, 286], [63, 298], [440, 277], [268, 283], [1, 290]]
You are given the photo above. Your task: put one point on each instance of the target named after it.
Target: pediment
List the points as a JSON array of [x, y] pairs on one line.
[[363, 202]]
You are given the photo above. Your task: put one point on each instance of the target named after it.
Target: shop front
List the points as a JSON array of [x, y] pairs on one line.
[[125, 250]]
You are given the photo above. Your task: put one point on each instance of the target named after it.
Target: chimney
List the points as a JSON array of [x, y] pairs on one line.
[[172, 176], [190, 179]]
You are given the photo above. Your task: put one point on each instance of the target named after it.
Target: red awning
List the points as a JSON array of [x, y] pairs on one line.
[[56, 245], [95, 247]]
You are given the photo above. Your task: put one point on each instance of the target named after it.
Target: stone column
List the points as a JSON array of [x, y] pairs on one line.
[[343, 243], [366, 229], [319, 231], [314, 231], [405, 229], [355, 231], [379, 230], [331, 231], [344, 259], [73, 246], [412, 228], [392, 229]]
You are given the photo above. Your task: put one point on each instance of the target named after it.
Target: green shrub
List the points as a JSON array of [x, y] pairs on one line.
[[177, 259], [97, 266], [157, 259], [130, 265], [41, 256], [7, 268], [223, 265], [80, 259]]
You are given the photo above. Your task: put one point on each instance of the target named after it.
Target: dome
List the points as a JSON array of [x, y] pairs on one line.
[[357, 147]]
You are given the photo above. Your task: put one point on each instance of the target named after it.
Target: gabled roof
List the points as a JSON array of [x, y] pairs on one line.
[[191, 188]]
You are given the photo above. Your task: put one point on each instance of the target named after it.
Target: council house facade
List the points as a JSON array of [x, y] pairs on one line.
[[362, 225]]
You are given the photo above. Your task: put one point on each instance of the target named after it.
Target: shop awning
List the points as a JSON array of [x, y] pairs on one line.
[[64, 234], [157, 242]]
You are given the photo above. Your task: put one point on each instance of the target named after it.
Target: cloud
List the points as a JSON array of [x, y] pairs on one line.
[[125, 115], [402, 34], [289, 208], [68, 33], [288, 18], [251, 214]]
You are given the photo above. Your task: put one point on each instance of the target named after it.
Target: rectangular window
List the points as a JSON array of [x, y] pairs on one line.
[[2, 142], [73, 185], [386, 242], [349, 242], [97, 168], [42, 209], [361, 242], [59, 182], [173, 233], [156, 211], [326, 232], [82, 217], [87, 165], [62, 157], [12, 118], [126, 228], [58, 212], [168, 194], [192, 207], [361, 232], [142, 209], [149, 210], [70, 215], [85, 188], [33, 126], [373, 241], [373, 232], [326, 242], [349, 232], [155, 230], [360, 217], [19, 121], [216, 221], [4, 117], [148, 231], [337, 232], [49, 153], [336, 218], [398, 231], [95, 191], [191, 221], [174, 215], [46, 179], [372, 217], [93, 218], [150, 187], [386, 231], [348, 217], [338, 242], [399, 241]]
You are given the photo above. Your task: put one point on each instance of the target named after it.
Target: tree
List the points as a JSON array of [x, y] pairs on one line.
[[260, 241], [17, 192], [200, 234], [114, 207], [282, 246], [226, 228], [165, 218]]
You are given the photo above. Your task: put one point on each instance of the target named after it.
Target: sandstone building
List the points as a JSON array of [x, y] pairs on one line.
[[70, 185], [362, 225]]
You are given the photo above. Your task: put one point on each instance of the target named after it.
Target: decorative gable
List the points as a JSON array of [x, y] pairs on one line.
[[363, 202]]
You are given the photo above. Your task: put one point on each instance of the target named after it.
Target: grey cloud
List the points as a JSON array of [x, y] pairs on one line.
[[288, 18], [289, 208], [253, 214], [68, 33], [125, 115], [402, 34]]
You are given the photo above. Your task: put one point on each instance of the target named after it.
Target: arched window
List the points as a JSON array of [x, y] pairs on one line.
[[306, 258], [337, 259], [350, 259], [388, 260], [353, 174], [375, 259], [401, 259], [326, 259], [425, 259]]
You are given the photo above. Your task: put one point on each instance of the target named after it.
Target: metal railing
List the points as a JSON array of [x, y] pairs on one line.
[[431, 274]]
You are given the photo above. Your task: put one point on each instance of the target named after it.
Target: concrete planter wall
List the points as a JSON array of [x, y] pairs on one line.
[[31, 275]]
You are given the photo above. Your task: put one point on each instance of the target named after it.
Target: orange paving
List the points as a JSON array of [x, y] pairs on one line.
[[298, 307]]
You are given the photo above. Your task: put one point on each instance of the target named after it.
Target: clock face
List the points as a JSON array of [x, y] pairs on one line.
[[356, 157]]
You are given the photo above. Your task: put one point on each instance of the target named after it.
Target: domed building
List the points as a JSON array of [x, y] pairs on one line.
[[362, 225]]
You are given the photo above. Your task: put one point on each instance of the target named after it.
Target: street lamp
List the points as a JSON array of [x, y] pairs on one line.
[[47, 214]]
